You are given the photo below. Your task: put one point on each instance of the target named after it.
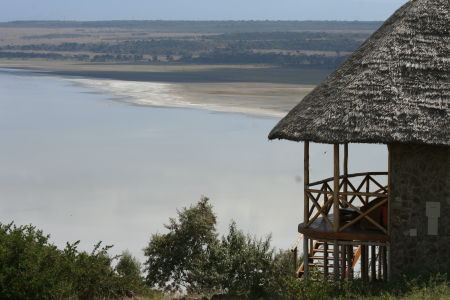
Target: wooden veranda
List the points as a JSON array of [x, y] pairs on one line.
[[344, 230]]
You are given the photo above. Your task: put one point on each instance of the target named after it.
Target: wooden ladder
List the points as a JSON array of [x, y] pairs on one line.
[[321, 260]]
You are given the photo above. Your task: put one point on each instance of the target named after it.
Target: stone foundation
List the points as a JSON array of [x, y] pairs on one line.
[[419, 174]]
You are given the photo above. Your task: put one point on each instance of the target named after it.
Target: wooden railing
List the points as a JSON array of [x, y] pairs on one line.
[[356, 192]]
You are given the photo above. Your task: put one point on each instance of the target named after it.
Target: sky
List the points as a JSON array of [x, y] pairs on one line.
[[84, 10]]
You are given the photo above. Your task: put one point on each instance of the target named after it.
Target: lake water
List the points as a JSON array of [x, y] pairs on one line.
[[82, 165]]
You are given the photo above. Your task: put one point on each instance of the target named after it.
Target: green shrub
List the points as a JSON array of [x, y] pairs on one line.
[[33, 268], [186, 257], [192, 258], [27, 264], [128, 269]]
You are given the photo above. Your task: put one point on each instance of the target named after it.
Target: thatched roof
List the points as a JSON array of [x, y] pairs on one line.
[[394, 89]]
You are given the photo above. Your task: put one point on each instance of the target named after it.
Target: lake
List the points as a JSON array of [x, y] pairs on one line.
[[82, 165]]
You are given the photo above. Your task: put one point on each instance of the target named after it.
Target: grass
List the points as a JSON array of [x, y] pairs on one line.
[[403, 288], [435, 287]]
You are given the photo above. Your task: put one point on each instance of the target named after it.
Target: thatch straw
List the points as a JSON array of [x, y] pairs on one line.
[[394, 89]]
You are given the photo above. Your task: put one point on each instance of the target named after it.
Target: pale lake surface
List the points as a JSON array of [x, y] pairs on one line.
[[82, 165]]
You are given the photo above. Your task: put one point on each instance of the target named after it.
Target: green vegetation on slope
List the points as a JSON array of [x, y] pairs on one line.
[[318, 44], [190, 257], [33, 268]]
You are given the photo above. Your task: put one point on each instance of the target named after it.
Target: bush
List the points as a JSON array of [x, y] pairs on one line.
[[27, 264], [192, 258], [184, 257], [33, 268], [128, 269], [246, 264]]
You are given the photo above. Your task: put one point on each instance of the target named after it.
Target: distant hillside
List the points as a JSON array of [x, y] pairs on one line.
[[204, 26], [311, 44]]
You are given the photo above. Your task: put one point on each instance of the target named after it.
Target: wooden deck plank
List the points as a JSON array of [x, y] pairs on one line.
[[320, 229]]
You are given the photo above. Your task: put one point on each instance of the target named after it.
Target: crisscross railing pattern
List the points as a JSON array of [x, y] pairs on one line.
[[355, 191]]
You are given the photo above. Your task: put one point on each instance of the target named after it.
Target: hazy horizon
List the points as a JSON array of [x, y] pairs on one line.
[[186, 20], [199, 10]]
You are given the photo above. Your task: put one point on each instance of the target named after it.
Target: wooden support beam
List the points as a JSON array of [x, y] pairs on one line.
[[350, 176], [336, 260], [294, 260], [306, 182], [373, 263], [343, 265], [385, 264], [350, 262], [355, 243], [336, 189], [362, 194], [305, 257], [325, 261], [364, 263], [336, 221], [367, 188], [345, 170], [305, 207], [379, 264]]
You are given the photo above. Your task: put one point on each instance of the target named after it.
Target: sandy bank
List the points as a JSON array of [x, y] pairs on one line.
[[263, 91], [257, 99]]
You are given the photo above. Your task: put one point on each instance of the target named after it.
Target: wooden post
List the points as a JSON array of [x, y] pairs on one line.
[[367, 189], [379, 263], [350, 262], [385, 264], [345, 170], [343, 261], [336, 261], [305, 207], [382, 275], [373, 263], [386, 253], [294, 253], [336, 222], [364, 265], [306, 181], [305, 257], [325, 261]]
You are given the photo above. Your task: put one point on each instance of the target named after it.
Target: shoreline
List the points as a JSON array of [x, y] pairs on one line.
[[175, 73], [251, 99], [258, 99]]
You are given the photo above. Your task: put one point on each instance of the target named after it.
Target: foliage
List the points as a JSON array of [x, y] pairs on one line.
[[26, 263], [324, 49], [178, 259], [247, 263], [33, 268], [191, 257], [128, 265]]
